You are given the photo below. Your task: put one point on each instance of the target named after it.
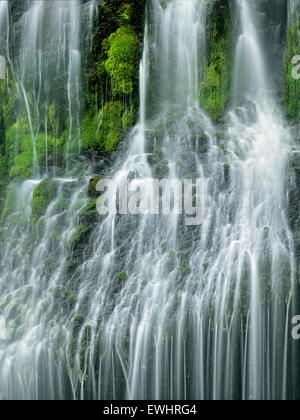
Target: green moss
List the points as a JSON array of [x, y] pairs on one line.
[[93, 185], [43, 194], [187, 269], [19, 145], [78, 318], [18, 321], [122, 276], [87, 327], [172, 254], [10, 202], [128, 119], [124, 14], [215, 85], [103, 131], [292, 86], [63, 204], [89, 210], [72, 299], [122, 52], [79, 234], [59, 292]]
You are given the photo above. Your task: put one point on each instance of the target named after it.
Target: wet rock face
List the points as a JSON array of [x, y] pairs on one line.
[[93, 185], [43, 194], [293, 198]]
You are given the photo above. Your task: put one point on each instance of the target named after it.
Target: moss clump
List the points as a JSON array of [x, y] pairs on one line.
[[172, 254], [122, 51], [20, 150], [122, 276], [128, 119], [78, 318], [79, 234], [93, 185], [89, 211], [10, 202], [103, 131], [124, 14], [72, 299], [292, 86], [215, 84], [43, 194]]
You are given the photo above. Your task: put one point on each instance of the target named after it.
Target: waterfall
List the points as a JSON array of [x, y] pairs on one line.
[[45, 65], [151, 308], [46, 68], [205, 314], [4, 26], [248, 52], [293, 9]]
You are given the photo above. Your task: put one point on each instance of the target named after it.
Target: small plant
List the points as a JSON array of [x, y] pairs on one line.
[[122, 276], [78, 318]]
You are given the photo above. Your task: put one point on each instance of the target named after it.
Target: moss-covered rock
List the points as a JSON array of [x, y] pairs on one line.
[[43, 194], [111, 81], [90, 210], [103, 131], [122, 276], [122, 50], [10, 202], [80, 234], [93, 185], [215, 84], [292, 85], [20, 149]]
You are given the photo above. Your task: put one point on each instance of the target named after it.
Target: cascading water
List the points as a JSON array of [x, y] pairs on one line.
[[46, 67], [205, 314], [170, 311]]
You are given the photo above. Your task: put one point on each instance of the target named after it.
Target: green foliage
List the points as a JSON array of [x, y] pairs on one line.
[[172, 254], [78, 318], [79, 234], [124, 13], [19, 146], [72, 299], [93, 185], [215, 85], [111, 81], [7, 96], [105, 129], [122, 276], [122, 51], [128, 119], [89, 210], [43, 194], [8, 101], [292, 86], [10, 202]]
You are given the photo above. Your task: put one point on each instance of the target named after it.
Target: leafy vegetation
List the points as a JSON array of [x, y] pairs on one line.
[[43, 194], [215, 85], [292, 87]]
